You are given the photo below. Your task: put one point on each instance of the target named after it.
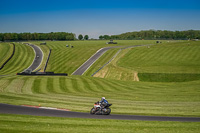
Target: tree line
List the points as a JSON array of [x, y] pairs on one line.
[[154, 34], [37, 36]]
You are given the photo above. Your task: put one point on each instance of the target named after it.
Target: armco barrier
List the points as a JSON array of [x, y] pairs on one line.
[[9, 57], [42, 74]]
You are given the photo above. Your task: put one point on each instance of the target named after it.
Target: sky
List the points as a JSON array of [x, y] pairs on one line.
[[98, 17]]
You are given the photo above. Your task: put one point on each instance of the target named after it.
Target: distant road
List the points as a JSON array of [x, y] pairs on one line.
[[91, 60], [38, 57], [23, 110]]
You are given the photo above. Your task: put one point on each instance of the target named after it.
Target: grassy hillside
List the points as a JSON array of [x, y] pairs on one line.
[[6, 50], [165, 58], [166, 62], [21, 60], [35, 124]]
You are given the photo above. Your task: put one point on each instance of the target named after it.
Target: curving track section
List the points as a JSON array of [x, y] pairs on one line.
[[14, 109], [38, 57]]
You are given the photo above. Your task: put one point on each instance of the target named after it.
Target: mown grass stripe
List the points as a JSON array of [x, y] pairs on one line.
[[15, 86], [62, 84], [93, 86], [99, 85], [74, 85], [69, 85], [87, 85], [122, 86], [56, 85], [111, 85], [81, 86], [28, 85], [5, 49], [36, 86], [104, 85], [43, 85], [50, 85], [3, 84]]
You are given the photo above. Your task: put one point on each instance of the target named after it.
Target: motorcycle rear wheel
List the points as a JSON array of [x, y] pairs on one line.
[[92, 111]]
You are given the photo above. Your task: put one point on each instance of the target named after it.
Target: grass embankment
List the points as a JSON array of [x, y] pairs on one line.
[[167, 62], [35, 124], [21, 60], [78, 93], [6, 50]]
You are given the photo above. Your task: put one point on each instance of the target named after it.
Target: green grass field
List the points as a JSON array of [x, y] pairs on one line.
[[155, 94], [37, 124], [167, 58]]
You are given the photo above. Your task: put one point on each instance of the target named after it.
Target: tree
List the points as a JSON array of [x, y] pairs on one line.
[[106, 37], [80, 37], [7, 36], [14, 36], [70, 36], [101, 37], [1, 37], [86, 37], [36, 36]]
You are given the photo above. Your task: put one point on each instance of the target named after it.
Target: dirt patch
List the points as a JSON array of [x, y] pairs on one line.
[[135, 75], [120, 76], [102, 73]]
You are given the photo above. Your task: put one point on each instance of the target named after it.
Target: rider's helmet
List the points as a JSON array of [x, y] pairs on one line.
[[103, 98]]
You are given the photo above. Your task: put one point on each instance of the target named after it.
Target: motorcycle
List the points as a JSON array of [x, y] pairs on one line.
[[100, 109]]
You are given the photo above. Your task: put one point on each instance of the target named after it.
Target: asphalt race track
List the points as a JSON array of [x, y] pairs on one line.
[[38, 57], [91, 60], [24, 110]]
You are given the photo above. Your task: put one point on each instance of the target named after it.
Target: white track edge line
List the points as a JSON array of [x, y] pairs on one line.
[[86, 61]]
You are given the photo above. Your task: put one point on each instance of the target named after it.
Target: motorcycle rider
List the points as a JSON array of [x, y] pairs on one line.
[[103, 102]]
